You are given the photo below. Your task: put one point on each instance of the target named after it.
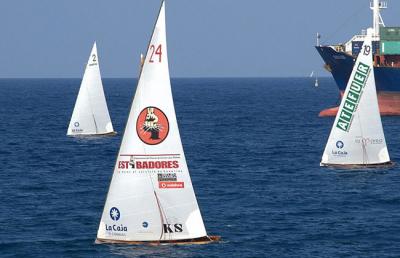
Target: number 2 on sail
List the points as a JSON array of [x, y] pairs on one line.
[[156, 51]]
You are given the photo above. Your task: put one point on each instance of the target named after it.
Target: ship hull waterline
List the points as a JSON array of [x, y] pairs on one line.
[[389, 105], [194, 241]]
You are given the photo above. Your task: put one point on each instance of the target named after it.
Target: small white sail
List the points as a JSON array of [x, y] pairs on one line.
[[90, 115], [151, 197], [357, 136]]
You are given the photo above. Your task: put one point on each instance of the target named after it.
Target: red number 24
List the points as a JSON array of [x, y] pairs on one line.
[[156, 51]]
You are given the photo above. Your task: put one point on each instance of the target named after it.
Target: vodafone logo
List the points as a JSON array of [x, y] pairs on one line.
[[171, 185]]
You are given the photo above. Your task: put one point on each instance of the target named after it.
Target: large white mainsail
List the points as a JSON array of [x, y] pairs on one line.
[[151, 197], [357, 136], [90, 115]]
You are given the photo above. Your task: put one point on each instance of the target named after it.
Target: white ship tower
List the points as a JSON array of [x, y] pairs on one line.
[[376, 6]]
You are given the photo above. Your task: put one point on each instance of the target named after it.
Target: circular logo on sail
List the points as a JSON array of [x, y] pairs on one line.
[[115, 214], [152, 126], [145, 224], [76, 124], [339, 144]]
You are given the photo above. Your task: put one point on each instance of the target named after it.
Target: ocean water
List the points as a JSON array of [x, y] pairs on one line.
[[253, 147]]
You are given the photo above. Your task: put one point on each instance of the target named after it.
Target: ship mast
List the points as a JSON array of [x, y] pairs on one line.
[[376, 7]]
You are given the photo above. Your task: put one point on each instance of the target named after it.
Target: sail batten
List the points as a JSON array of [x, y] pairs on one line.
[[90, 115], [357, 136], [151, 179]]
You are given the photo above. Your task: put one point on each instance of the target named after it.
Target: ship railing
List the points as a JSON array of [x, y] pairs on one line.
[[361, 37]]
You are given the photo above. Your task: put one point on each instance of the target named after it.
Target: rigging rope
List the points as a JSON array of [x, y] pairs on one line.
[[352, 17]]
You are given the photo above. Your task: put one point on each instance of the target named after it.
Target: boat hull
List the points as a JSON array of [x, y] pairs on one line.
[[387, 80], [93, 135], [359, 166], [194, 241]]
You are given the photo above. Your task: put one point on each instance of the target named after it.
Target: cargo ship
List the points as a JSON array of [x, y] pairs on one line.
[[340, 58]]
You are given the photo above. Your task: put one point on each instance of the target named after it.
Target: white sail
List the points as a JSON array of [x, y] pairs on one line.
[[357, 136], [90, 115], [151, 197]]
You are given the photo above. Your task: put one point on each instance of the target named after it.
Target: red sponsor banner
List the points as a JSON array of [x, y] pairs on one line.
[[169, 185]]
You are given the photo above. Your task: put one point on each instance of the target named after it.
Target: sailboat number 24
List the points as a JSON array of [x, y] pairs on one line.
[[155, 51]]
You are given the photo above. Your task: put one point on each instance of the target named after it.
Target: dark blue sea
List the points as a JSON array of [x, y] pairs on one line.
[[253, 147]]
